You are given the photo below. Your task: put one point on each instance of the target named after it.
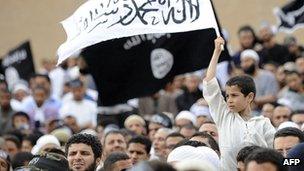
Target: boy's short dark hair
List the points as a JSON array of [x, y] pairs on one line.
[[244, 152], [266, 155], [290, 131], [87, 139], [244, 82], [142, 140]]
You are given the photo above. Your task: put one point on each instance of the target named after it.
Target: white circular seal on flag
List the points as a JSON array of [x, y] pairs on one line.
[[161, 62]]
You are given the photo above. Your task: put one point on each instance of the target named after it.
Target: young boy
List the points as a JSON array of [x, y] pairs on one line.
[[237, 128]]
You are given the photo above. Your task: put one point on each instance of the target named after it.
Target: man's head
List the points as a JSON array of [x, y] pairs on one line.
[[286, 138], [264, 159], [191, 82], [114, 141], [158, 121], [173, 139], [207, 139], [294, 81], [249, 61], [40, 94], [247, 37], [159, 142], [50, 161], [117, 161], [298, 117], [139, 149], [83, 152], [185, 118], [240, 92], [136, 124], [188, 130], [280, 115], [78, 89], [210, 128], [266, 34], [267, 110], [13, 145], [242, 155], [5, 98], [41, 80], [21, 120]]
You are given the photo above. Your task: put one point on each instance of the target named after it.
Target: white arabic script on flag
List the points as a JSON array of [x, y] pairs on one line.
[[100, 20]]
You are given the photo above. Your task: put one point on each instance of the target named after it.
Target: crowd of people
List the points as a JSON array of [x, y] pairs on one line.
[[246, 114]]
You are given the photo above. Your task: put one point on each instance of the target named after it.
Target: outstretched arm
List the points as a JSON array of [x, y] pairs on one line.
[[211, 71]]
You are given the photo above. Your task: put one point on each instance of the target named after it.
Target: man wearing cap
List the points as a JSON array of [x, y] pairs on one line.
[[158, 121], [85, 111], [184, 118], [136, 124], [265, 81]]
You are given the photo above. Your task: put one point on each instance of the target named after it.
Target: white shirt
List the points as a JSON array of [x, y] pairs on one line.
[[84, 111], [234, 132]]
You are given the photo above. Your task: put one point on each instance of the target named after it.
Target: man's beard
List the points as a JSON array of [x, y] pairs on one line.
[[92, 167], [250, 70]]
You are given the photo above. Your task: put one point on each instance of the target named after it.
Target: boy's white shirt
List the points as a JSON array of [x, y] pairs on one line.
[[234, 132]]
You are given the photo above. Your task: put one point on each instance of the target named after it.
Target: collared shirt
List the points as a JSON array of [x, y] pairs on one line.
[[48, 111]]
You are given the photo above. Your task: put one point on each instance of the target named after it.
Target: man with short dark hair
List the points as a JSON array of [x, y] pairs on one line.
[[139, 149], [114, 141], [265, 159], [207, 139], [117, 161], [83, 152], [173, 139], [210, 128], [243, 154], [286, 138]]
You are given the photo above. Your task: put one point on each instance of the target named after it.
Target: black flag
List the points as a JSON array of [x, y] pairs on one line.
[[141, 65], [291, 15], [18, 63]]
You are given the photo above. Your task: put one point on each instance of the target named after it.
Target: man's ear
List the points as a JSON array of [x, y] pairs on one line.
[[250, 97]]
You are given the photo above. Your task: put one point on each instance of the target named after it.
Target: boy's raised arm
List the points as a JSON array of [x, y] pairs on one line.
[[211, 71]]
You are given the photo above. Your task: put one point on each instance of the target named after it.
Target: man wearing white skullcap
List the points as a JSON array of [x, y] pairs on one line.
[[201, 154], [265, 81], [184, 118]]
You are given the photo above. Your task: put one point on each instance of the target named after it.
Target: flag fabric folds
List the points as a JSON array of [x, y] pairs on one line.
[[141, 65], [18, 64], [99, 20], [290, 16]]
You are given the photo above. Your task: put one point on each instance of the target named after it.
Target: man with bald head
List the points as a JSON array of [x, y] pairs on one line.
[[280, 114]]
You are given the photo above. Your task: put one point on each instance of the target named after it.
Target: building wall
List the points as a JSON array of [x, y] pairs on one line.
[[38, 21]]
